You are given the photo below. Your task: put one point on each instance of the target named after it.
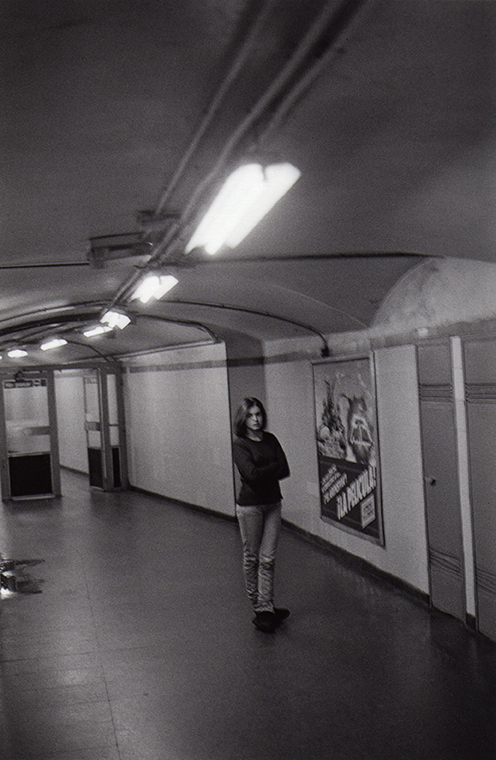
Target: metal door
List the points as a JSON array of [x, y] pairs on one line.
[[28, 436], [442, 493], [93, 427], [480, 374], [104, 430]]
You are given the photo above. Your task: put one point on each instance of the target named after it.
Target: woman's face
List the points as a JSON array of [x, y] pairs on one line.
[[254, 419]]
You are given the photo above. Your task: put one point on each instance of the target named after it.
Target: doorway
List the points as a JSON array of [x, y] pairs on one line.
[[103, 439], [442, 495], [91, 425], [28, 436]]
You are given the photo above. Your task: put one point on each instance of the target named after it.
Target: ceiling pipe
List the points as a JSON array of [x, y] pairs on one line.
[[229, 79], [317, 257], [173, 238], [56, 316], [46, 265], [255, 312], [351, 13], [278, 85], [15, 334], [186, 323], [172, 347], [93, 348], [239, 61], [275, 316]]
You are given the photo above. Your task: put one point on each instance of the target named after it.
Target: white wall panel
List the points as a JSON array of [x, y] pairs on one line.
[[178, 426], [291, 419]]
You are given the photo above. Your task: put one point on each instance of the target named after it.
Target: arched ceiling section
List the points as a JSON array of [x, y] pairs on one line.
[[440, 292], [121, 118]]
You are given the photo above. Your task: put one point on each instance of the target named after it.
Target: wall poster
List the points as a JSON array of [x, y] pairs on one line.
[[347, 446]]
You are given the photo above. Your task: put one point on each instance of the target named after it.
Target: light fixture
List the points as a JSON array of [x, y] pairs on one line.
[[53, 343], [154, 286], [92, 332], [115, 319], [246, 197], [17, 353]]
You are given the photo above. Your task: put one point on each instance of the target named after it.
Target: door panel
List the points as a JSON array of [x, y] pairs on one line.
[[443, 507], [93, 428], [480, 390], [482, 433], [30, 475], [442, 495], [104, 430]]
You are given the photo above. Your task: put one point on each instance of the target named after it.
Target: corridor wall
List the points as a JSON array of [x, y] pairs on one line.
[[440, 303], [292, 418], [179, 442], [178, 426]]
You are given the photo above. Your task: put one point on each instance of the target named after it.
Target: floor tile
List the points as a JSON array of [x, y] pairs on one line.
[[140, 646]]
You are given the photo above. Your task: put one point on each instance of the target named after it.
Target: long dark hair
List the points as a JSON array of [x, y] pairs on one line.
[[242, 415]]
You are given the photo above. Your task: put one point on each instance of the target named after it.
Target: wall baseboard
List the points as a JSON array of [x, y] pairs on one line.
[[471, 622], [352, 561], [359, 564], [346, 558], [186, 504], [74, 469]]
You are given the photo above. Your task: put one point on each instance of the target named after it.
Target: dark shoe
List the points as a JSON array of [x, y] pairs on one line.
[[265, 622], [281, 613]]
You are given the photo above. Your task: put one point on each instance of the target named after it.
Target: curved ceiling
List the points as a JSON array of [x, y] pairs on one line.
[[121, 118]]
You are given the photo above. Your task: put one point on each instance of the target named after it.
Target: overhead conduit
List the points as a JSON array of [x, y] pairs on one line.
[[325, 34], [306, 62], [330, 25]]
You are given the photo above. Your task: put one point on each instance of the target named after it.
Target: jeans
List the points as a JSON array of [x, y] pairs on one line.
[[259, 526]]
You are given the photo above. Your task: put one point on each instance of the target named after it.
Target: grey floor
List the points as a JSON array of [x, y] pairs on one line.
[[139, 645]]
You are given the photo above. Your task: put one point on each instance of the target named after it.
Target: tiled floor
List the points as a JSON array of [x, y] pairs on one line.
[[140, 646]]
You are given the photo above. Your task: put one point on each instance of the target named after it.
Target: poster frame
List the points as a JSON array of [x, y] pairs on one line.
[[350, 365]]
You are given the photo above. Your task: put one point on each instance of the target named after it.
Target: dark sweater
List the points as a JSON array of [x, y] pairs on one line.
[[261, 464]]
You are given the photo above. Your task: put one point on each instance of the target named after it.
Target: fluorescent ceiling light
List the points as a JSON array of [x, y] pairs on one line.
[[154, 286], [53, 343], [246, 197], [115, 319], [91, 332], [17, 353]]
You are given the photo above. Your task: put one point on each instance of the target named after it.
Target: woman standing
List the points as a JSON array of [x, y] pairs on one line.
[[261, 463]]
